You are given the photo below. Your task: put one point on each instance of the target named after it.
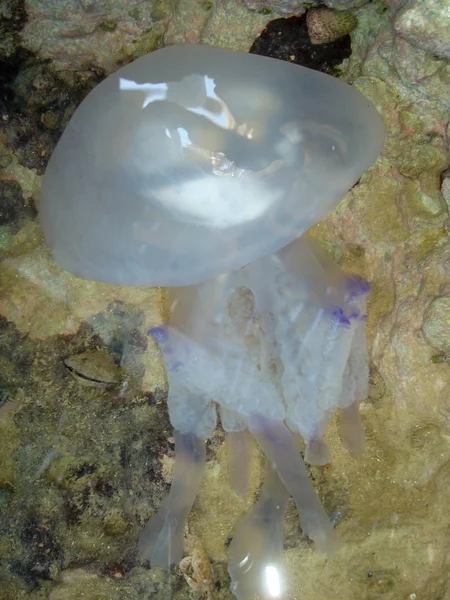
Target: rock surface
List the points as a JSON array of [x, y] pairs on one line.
[[81, 467], [87, 34], [426, 25]]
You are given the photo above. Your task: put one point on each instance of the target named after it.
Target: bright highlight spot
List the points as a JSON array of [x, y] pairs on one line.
[[273, 581]]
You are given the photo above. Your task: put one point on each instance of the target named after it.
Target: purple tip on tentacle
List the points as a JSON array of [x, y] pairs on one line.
[[345, 319], [340, 316], [356, 286], [159, 334], [354, 314]]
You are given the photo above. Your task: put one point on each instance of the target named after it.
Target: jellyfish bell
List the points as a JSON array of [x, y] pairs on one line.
[[193, 161]]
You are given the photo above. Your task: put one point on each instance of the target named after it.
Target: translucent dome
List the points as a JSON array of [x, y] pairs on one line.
[[193, 161]]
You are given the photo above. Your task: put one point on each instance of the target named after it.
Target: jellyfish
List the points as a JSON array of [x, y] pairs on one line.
[[201, 170]]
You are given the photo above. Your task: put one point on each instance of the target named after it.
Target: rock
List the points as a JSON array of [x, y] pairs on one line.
[[80, 35], [436, 324], [298, 7], [426, 25], [445, 188]]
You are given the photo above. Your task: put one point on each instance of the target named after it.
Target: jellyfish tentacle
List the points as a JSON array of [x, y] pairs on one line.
[[161, 541], [255, 557], [278, 444]]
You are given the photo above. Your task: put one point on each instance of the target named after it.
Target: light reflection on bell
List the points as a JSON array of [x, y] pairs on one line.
[[273, 581]]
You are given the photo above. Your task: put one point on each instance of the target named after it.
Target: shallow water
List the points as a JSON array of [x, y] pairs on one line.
[[82, 468]]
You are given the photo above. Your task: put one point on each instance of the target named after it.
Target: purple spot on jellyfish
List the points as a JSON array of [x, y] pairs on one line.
[[175, 367], [261, 424], [356, 286], [159, 334], [346, 319], [354, 314], [338, 314]]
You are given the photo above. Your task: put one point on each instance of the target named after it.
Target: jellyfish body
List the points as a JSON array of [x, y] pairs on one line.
[[278, 347], [201, 169], [193, 161]]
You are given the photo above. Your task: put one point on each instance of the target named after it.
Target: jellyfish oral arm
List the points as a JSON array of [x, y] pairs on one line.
[[278, 445], [161, 542]]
